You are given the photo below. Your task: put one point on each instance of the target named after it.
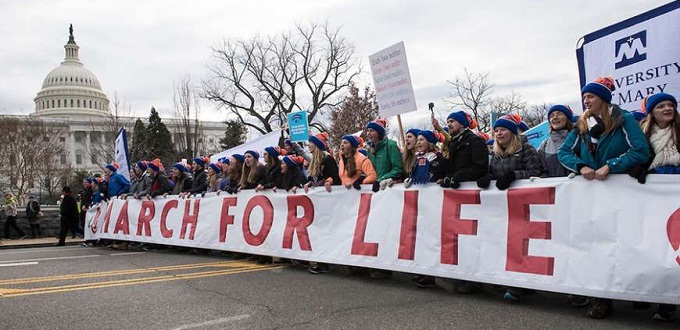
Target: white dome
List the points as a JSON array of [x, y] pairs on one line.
[[71, 89]]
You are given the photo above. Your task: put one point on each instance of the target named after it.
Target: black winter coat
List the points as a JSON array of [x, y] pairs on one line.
[[468, 158]]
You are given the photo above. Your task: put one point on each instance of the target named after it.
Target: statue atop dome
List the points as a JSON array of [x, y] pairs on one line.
[[70, 34]]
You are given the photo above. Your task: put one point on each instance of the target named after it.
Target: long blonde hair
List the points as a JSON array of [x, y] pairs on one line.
[[249, 174], [605, 115], [314, 168], [513, 146]]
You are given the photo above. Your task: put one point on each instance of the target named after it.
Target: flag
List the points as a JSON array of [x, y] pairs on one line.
[[122, 156]]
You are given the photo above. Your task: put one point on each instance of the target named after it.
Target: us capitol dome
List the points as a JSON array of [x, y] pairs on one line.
[[71, 89]]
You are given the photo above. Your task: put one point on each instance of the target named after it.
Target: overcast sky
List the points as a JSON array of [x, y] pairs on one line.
[[138, 48]]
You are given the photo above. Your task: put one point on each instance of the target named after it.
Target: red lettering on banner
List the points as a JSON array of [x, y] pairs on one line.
[[453, 225], [226, 218], [409, 225], [190, 219], [95, 220], [295, 224], [123, 223], [107, 217], [520, 230], [268, 219], [146, 214], [359, 246], [673, 232], [165, 231]]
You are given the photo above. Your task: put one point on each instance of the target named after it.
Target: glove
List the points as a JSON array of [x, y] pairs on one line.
[[386, 183], [407, 183], [505, 180], [357, 183], [454, 183], [638, 172], [376, 186], [445, 183], [484, 182], [597, 129]]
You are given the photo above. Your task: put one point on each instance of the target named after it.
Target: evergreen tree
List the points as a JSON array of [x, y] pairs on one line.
[[235, 135], [138, 149], [159, 140]]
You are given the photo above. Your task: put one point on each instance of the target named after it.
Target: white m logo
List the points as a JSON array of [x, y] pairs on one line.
[[631, 49], [627, 50]]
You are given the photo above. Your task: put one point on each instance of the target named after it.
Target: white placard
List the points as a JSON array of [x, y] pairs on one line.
[[392, 81]]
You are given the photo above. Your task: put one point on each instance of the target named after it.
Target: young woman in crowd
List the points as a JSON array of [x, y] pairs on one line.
[[409, 156], [272, 166], [226, 172], [355, 169], [291, 174], [661, 126], [606, 140], [561, 119], [428, 159], [235, 171], [117, 184], [253, 170], [322, 169], [180, 174], [214, 171], [386, 159], [199, 180]]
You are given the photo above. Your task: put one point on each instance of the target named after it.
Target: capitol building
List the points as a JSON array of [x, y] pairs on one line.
[[72, 97]]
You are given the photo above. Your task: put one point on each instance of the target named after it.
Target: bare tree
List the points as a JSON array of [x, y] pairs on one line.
[[534, 114], [100, 148], [31, 149], [187, 111], [472, 91], [261, 80], [353, 113]]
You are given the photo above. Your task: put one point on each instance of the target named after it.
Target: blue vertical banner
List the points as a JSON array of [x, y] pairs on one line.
[[298, 127], [122, 156]]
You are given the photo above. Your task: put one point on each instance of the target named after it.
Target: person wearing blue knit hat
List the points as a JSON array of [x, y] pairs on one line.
[[662, 129], [561, 119], [199, 181], [180, 174], [272, 166], [409, 156], [253, 170]]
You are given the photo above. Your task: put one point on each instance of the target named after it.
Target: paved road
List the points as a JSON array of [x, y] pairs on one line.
[[96, 288]]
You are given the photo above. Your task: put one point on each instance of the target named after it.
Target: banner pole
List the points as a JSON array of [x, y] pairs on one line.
[[401, 131]]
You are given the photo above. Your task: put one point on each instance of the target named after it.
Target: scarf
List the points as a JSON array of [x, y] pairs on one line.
[[554, 141], [664, 147]]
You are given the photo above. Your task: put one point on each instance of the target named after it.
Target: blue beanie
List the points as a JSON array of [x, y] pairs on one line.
[[460, 117], [376, 126], [352, 140], [563, 109], [523, 126], [216, 167], [141, 165], [180, 167], [602, 87], [112, 167], [414, 131], [200, 161], [273, 151], [654, 100], [154, 167], [506, 122], [224, 160], [239, 157], [291, 161], [317, 142], [253, 153], [429, 135], [363, 152]]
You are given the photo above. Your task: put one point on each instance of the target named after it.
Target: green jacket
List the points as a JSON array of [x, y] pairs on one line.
[[386, 159]]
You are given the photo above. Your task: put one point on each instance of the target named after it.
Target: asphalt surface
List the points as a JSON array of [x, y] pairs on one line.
[[76, 287]]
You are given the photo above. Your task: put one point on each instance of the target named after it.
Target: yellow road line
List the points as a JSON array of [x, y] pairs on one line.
[[235, 263], [7, 293]]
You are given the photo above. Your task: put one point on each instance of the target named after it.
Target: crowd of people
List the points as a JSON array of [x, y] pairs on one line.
[[603, 140]]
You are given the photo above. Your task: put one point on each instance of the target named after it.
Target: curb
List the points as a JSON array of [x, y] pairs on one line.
[[37, 245]]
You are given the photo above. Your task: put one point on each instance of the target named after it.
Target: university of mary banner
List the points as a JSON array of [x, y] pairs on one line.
[[641, 53], [615, 239]]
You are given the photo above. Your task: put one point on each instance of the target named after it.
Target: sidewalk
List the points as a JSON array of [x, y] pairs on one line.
[[36, 242]]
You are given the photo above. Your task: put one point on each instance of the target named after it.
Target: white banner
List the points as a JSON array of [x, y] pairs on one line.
[[267, 140], [122, 155], [616, 239], [641, 53], [392, 81]]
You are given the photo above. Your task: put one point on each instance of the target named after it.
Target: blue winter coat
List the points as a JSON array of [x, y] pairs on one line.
[[621, 148], [118, 184]]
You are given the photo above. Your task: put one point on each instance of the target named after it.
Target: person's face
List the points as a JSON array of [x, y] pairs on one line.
[[250, 160], [284, 167], [311, 147], [411, 141], [502, 135], [557, 120], [195, 167], [663, 113], [86, 184], [176, 172], [422, 144], [372, 135], [266, 157], [454, 126], [345, 148], [133, 174], [150, 171], [107, 172], [593, 103], [138, 170], [210, 171]]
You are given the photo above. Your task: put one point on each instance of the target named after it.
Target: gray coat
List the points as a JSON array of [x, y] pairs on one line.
[[525, 163]]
